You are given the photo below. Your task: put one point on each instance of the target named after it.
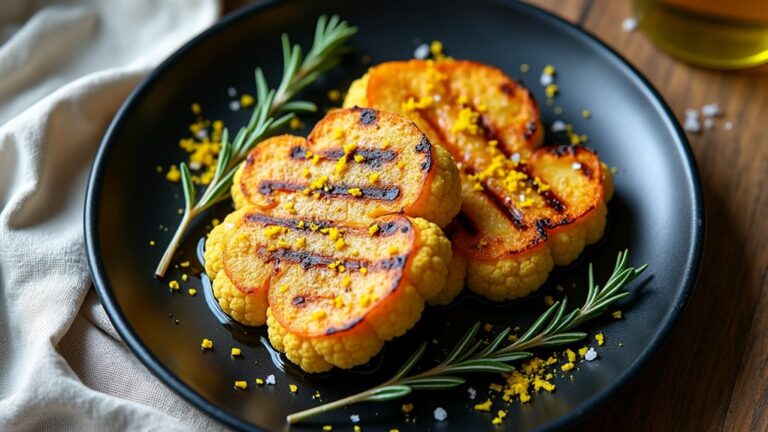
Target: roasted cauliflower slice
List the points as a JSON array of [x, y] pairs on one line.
[[326, 246], [356, 164], [524, 208]]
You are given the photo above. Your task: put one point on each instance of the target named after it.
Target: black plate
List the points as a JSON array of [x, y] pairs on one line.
[[656, 213]]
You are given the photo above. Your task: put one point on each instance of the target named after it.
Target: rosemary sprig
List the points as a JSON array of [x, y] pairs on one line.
[[555, 327], [273, 110]]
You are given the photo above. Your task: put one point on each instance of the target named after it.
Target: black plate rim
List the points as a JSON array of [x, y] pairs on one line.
[[126, 332]]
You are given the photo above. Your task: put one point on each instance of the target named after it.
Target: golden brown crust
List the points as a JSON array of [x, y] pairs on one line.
[[339, 268], [524, 208]]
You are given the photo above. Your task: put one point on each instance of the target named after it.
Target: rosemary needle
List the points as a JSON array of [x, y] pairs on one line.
[[555, 327], [274, 109]]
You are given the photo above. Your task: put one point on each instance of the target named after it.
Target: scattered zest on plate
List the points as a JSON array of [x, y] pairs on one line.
[[334, 235], [557, 326]]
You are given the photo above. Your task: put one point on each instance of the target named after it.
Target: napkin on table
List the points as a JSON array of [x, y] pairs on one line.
[[65, 68]]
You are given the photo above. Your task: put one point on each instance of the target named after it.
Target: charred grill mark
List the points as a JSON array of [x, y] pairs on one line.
[[381, 194], [440, 134], [586, 170], [507, 89], [507, 208], [367, 116], [504, 205], [394, 263], [298, 301], [425, 147], [568, 149], [249, 160], [332, 330], [373, 157], [298, 152], [466, 223], [266, 187], [550, 198], [307, 260], [288, 223], [387, 228], [304, 258], [490, 134], [542, 225]]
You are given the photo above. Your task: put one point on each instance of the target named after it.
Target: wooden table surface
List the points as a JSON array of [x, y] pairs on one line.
[[712, 373]]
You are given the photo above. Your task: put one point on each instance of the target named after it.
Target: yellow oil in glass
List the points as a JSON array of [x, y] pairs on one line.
[[723, 34]]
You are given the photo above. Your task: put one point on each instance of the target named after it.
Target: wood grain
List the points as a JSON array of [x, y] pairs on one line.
[[712, 374]]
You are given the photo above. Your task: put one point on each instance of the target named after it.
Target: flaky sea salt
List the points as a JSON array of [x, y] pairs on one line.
[[709, 123], [546, 79], [421, 52], [728, 126], [355, 418], [691, 124], [629, 24], [234, 105], [440, 414], [590, 355], [231, 92], [472, 393], [270, 380], [515, 157], [576, 166], [558, 126], [711, 110]]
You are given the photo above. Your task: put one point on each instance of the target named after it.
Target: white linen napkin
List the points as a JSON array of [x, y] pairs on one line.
[[65, 68]]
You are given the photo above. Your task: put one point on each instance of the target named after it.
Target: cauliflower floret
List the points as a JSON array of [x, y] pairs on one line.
[[510, 278], [454, 282], [248, 308], [422, 279]]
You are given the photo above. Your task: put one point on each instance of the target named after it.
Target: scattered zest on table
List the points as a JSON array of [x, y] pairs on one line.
[[555, 327], [273, 110]]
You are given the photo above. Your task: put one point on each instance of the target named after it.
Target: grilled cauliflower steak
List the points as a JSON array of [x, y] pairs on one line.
[[525, 208], [330, 245]]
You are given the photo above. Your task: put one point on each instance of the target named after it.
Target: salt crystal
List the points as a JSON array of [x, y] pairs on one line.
[[201, 134], [234, 105], [576, 166], [709, 123], [355, 418], [270, 380], [546, 79], [558, 126], [195, 165], [515, 157], [421, 51], [691, 113], [728, 125], [472, 393], [590, 355], [440, 414], [232, 92], [711, 110], [691, 124], [629, 24]]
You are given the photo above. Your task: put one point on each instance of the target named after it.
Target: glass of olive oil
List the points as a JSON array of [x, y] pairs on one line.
[[722, 34]]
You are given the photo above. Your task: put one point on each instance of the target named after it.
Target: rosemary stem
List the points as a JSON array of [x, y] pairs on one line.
[[165, 261], [349, 400]]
